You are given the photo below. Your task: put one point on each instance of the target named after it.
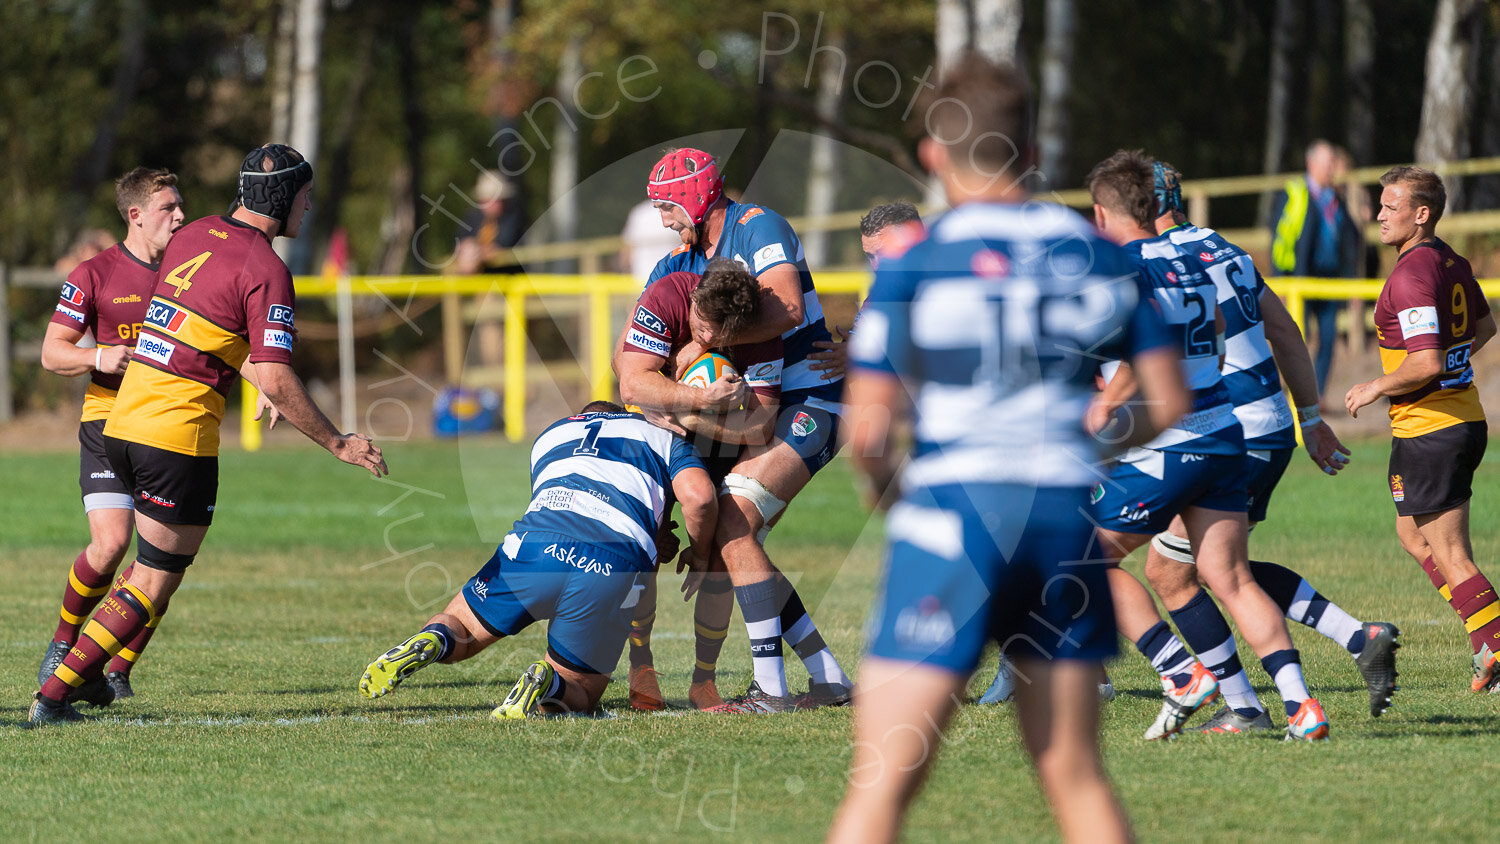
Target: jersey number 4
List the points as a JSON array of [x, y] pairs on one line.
[[182, 276]]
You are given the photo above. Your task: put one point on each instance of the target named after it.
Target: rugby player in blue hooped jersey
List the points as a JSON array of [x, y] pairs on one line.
[[688, 191], [579, 557], [985, 337], [1260, 339], [1195, 469]]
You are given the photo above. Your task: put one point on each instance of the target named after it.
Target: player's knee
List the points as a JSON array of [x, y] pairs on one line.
[[757, 504], [153, 557]]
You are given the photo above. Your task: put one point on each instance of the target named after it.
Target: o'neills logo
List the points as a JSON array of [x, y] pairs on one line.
[[121, 300]]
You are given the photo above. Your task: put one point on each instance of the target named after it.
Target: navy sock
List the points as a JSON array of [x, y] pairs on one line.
[[1204, 630], [1165, 652], [1279, 582]]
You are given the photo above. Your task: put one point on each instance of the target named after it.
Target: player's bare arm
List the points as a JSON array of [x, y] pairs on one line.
[[1416, 370], [873, 402], [700, 514], [644, 383], [263, 405], [753, 425], [1296, 368], [61, 354], [1484, 331], [286, 391], [832, 357]]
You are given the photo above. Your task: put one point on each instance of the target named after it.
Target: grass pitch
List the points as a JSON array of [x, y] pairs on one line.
[[247, 722]]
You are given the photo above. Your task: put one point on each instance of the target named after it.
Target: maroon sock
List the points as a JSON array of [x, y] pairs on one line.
[[131, 653], [120, 619], [1438, 583], [1480, 609], [85, 589]]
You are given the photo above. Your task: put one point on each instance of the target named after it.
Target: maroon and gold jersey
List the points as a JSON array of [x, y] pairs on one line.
[[223, 296], [106, 295], [1431, 301], [660, 327]]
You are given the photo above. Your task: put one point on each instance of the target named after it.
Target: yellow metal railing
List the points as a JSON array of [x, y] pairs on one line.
[[600, 291]]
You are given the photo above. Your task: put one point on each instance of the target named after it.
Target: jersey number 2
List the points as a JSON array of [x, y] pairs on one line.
[[182, 276]]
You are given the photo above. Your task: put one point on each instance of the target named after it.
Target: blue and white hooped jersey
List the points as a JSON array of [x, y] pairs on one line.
[[760, 239], [996, 324], [1249, 368], [1186, 295], [603, 479]]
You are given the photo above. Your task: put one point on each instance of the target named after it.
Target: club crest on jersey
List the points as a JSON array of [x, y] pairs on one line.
[[987, 263], [168, 318], [1096, 494], [802, 424], [71, 293], [1398, 488], [649, 321], [281, 314]]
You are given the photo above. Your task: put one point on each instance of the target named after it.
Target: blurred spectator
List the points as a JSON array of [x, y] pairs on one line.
[[647, 241], [1313, 235], [90, 242], [492, 227]]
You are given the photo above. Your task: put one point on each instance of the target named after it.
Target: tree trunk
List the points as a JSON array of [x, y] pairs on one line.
[[307, 103], [563, 199], [415, 120], [997, 28], [95, 166], [1487, 188], [1279, 100], [1446, 94], [283, 51], [1359, 80], [1053, 134], [991, 27], [335, 170], [823, 161]]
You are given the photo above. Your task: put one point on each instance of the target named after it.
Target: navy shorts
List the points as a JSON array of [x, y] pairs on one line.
[[809, 422], [1142, 496], [588, 594], [971, 563], [1264, 470]]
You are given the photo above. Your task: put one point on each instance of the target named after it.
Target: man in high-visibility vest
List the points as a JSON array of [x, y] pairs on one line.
[[1313, 234]]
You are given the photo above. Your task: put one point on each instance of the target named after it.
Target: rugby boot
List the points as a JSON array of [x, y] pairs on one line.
[[56, 653], [1180, 702], [526, 694], [1226, 720], [386, 673], [1377, 663], [1309, 724], [45, 711]]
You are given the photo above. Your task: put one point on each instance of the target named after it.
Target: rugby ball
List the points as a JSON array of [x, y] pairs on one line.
[[708, 368]]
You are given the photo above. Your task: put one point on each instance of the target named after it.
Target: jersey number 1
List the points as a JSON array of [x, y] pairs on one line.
[[182, 276], [590, 437]]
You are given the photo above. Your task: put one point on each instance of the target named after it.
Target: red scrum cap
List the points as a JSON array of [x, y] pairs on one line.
[[687, 178]]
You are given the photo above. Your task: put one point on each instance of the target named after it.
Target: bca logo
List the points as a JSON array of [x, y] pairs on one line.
[[281, 314], [649, 321], [168, 318], [71, 293]]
